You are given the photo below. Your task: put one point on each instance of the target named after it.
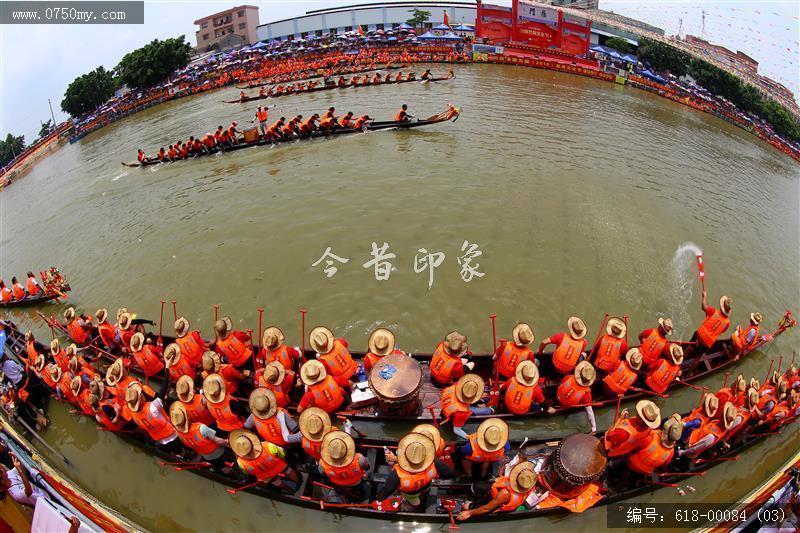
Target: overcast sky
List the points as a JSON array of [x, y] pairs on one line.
[[38, 62]]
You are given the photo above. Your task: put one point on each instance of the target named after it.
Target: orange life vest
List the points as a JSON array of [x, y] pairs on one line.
[[660, 377], [739, 338], [570, 393], [125, 338], [635, 436], [270, 428], [328, 395], [338, 362], [32, 287], [224, 415], [107, 333], [196, 441], [780, 408], [608, 352], [652, 455], [566, 355], [157, 426], [105, 420], [348, 475], [510, 357], [264, 467], [479, 455], [196, 409], [443, 365], [30, 348], [519, 397], [18, 291], [83, 402], [707, 427], [5, 294], [621, 379], [281, 355], [76, 332], [312, 448], [262, 115], [150, 359], [712, 327], [400, 116], [412, 483], [652, 347], [451, 404], [46, 378], [191, 348], [182, 368], [232, 347], [517, 498], [61, 359]]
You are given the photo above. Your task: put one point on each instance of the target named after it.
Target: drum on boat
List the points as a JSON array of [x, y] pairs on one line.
[[579, 459], [252, 135], [396, 380]]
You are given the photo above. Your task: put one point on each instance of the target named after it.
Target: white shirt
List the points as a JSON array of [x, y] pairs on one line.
[[17, 489]]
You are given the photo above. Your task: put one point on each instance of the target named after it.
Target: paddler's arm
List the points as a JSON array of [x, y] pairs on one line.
[[543, 344], [23, 475], [502, 498], [162, 392], [287, 435], [459, 431]]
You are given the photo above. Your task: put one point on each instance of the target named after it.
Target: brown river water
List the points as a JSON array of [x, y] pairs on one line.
[[581, 196]]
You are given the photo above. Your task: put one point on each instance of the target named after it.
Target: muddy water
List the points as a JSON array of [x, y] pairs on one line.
[[579, 194]]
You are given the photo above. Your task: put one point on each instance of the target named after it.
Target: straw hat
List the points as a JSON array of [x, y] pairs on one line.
[[72, 364], [184, 388], [577, 327], [245, 444], [274, 373], [55, 373], [263, 403], [211, 361], [39, 363], [314, 423], [794, 397], [492, 434], [115, 372], [272, 337], [137, 341], [634, 358], [71, 350], [522, 334], [381, 342], [338, 448], [101, 315], [710, 405], [172, 354], [523, 477], [455, 343], [120, 311], [725, 304], [616, 327], [755, 318], [527, 373], [752, 397], [469, 388], [754, 383], [28, 336], [649, 413], [69, 314], [321, 339], [179, 417], [729, 414], [415, 452], [666, 325], [783, 386], [97, 387], [133, 396], [676, 353], [585, 373], [214, 388], [312, 372], [671, 431], [75, 385], [223, 327], [740, 384], [54, 346], [181, 327], [430, 431], [124, 321]]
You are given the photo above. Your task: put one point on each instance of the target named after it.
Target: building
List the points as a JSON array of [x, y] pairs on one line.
[[227, 29], [738, 61]]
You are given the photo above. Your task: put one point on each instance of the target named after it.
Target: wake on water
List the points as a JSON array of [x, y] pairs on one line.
[[683, 280]]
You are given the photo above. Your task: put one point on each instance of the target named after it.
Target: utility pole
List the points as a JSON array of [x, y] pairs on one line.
[[703, 27], [680, 27], [51, 112]]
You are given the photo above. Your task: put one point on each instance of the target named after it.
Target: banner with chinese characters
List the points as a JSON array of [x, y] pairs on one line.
[[493, 23], [536, 24]]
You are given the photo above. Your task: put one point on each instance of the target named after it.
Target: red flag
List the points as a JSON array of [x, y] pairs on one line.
[[360, 30], [446, 19]]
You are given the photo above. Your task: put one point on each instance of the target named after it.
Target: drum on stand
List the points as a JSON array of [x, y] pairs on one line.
[[396, 380]]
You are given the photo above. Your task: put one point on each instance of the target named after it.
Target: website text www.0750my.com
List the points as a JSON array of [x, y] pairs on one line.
[[71, 12], [63, 14]]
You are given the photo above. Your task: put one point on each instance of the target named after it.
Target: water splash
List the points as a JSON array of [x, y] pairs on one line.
[[683, 280]]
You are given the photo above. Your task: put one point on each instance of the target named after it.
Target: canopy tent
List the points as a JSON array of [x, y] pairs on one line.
[[441, 27], [655, 77], [428, 36], [450, 37], [463, 27], [258, 45], [404, 27]]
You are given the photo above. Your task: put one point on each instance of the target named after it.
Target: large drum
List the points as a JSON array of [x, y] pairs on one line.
[[396, 381], [579, 459]]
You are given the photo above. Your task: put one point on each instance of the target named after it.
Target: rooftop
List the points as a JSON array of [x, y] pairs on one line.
[[225, 12]]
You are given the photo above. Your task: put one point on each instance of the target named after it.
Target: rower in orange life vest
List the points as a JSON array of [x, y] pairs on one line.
[[32, 286], [309, 125], [345, 120], [191, 343], [275, 378], [402, 116], [107, 332], [609, 348], [458, 402], [362, 122], [150, 415], [43, 370], [178, 364], [570, 346], [332, 353], [345, 468], [271, 422], [212, 364], [510, 354], [81, 394], [59, 355], [486, 447], [792, 377], [702, 428], [62, 381], [274, 130], [653, 341], [768, 392], [744, 339], [17, 290], [506, 494], [242, 96], [522, 393], [125, 330], [149, 357], [380, 344], [5, 293], [235, 346], [624, 375], [194, 403], [414, 467], [747, 416], [141, 157], [273, 349], [197, 436], [658, 449], [627, 434], [449, 361], [78, 327], [30, 348], [328, 120], [106, 411], [576, 390], [78, 366], [665, 370], [323, 391], [220, 403], [262, 460], [777, 409], [736, 393], [314, 425], [716, 322]]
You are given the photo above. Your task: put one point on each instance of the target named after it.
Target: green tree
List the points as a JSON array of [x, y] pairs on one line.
[[620, 45], [87, 92], [46, 128], [663, 57], [10, 148], [154, 62], [418, 18]]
